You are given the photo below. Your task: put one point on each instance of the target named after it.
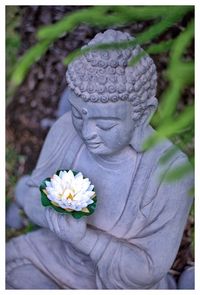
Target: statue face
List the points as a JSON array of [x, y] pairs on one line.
[[105, 128]]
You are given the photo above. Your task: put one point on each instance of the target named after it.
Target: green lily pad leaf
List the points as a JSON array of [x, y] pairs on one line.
[[43, 184], [45, 201]]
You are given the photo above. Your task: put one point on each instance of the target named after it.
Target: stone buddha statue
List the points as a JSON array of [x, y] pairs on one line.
[[132, 239]]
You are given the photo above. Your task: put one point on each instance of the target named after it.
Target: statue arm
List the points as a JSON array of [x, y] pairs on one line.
[[143, 260], [119, 263], [27, 190]]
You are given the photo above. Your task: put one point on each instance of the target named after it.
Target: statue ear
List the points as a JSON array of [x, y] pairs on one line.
[[143, 129], [151, 107]]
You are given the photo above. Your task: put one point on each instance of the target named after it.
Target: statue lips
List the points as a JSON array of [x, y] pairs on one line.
[[92, 144]]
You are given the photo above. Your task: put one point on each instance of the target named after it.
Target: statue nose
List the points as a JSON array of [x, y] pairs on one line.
[[88, 131]]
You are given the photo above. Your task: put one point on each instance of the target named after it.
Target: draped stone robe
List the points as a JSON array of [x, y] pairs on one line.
[[136, 250]]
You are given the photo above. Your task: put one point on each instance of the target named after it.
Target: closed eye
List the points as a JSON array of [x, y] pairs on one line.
[[106, 126]]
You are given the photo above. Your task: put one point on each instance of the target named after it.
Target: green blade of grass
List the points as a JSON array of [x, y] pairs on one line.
[[167, 128], [25, 62]]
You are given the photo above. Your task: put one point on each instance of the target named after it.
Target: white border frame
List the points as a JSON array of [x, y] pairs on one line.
[[4, 3]]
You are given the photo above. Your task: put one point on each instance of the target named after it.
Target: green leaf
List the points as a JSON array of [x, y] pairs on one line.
[[45, 201], [96, 16], [180, 74], [140, 13], [168, 155], [182, 42], [25, 62], [168, 103], [167, 127], [152, 49], [178, 172]]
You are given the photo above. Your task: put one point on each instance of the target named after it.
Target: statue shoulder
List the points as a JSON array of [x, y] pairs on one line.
[[174, 165], [54, 149], [173, 156], [168, 172], [59, 137], [63, 125]]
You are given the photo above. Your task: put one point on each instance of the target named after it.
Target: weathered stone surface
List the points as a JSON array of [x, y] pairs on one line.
[[13, 218], [186, 280], [123, 244]]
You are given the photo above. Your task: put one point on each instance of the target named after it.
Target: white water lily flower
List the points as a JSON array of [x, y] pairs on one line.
[[70, 192]]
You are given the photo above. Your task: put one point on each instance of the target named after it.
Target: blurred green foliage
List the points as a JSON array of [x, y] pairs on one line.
[[12, 46]]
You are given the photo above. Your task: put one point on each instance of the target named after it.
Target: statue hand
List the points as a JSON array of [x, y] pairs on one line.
[[65, 226]]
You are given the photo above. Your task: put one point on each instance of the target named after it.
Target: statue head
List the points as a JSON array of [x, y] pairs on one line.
[[111, 100]]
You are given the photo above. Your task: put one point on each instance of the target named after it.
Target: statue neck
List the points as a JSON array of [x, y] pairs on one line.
[[116, 159]]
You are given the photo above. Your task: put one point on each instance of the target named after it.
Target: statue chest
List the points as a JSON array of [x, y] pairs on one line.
[[112, 185]]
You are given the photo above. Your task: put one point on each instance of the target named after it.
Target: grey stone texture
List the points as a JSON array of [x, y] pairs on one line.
[[132, 239], [186, 280]]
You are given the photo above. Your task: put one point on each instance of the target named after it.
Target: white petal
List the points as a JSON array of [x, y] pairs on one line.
[[66, 179], [61, 173], [77, 186], [90, 201], [71, 175], [48, 183], [50, 190], [85, 184], [84, 204], [50, 197], [57, 178], [78, 176], [56, 186], [89, 194], [90, 188], [78, 208], [78, 197]]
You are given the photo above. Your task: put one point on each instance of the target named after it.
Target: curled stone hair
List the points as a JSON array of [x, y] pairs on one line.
[[104, 75]]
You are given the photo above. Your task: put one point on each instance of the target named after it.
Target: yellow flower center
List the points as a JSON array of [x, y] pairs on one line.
[[68, 194], [70, 197]]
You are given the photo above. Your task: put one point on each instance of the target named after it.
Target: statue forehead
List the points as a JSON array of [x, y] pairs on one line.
[[98, 109]]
